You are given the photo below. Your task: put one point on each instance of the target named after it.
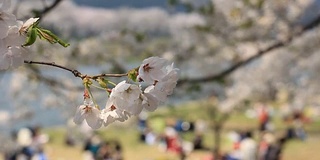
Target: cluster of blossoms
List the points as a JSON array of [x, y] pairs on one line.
[[13, 34], [128, 99]]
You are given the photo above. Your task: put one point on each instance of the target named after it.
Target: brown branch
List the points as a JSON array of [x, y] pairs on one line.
[[278, 44], [47, 9], [52, 82], [75, 72]]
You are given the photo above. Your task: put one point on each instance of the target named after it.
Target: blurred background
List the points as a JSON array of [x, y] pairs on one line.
[[248, 89]]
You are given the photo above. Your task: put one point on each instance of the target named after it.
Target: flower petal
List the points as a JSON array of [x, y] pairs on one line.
[[79, 116], [93, 118]]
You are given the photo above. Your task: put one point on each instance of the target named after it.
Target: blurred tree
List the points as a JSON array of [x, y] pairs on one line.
[[252, 47]]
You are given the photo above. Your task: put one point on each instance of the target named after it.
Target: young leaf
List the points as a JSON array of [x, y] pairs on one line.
[[32, 36], [50, 37]]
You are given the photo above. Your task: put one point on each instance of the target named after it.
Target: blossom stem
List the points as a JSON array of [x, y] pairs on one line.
[[112, 83], [98, 87], [91, 96]]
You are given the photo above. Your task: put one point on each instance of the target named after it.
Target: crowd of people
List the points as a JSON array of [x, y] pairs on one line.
[[266, 145], [248, 147], [28, 144], [94, 147], [97, 149], [170, 139], [261, 143]]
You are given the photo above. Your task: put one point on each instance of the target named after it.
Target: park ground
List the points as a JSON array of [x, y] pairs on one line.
[[128, 135]]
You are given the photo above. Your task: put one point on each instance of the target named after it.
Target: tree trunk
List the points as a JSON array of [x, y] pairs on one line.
[[217, 142]]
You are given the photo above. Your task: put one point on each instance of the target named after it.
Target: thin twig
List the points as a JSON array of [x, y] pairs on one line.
[[47, 9], [75, 72], [108, 75]]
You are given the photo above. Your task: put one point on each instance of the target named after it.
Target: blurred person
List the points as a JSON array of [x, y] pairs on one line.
[[162, 143], [298, 123], [117, 155], [264, 117], [104, 152], [198, 142], [142, 125], [150, 136], [235, 153], [275, 148], [172, 140], [24, 141], [248, 147], [91, 146], [38, 141], [266, 140]]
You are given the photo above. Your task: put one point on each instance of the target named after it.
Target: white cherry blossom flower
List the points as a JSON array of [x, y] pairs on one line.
[[150, 102], [126, 97], [169, 81], [152, 69], [11, 56], [108, 116], [89, 113], [14, 38], [6, 20], [111, 114]]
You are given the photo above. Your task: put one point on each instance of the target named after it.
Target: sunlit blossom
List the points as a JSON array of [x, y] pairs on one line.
[[151, 69], [90, 114], [126, 97]]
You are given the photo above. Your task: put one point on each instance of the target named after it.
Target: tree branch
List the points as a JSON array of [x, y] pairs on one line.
[[47, 9], [276, 45], [75, 72]]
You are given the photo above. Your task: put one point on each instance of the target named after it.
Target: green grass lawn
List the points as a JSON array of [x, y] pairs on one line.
[[128, 136]]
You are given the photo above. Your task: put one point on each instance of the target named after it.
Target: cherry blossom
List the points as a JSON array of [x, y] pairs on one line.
[[12, 37], [126, 97], [169, 81], [150, 102], [111, 114], [88, 112], [108, 116], [157, 93], [6, 19], [12, 56], [151, 69]]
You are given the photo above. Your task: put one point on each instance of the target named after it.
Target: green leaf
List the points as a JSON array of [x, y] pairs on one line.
[[51, 37], [32, 36]]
